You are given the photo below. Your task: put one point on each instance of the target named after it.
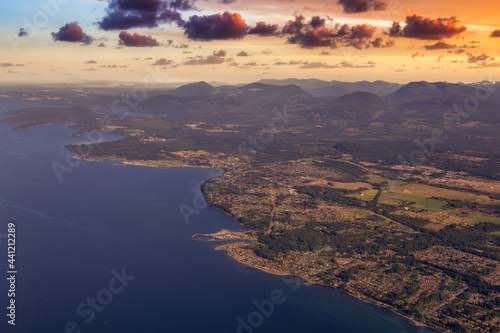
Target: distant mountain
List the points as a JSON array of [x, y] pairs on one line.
[[320, 88], [309, 85], [426, 90], [359, 98], [260, 91], [380, 88], [491, 86], [197, 89], [431, 102], [217, 83]]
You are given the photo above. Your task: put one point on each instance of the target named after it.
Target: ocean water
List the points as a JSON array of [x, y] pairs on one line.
[[102, 247]]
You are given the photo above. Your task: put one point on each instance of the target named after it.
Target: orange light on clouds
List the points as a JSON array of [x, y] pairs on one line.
[[447, 33]]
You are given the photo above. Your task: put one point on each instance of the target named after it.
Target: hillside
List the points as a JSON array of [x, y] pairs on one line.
[[426, 90], [197, 89], [321, 88]]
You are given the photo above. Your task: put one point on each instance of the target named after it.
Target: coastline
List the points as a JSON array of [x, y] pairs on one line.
[[220, 200], [223, 247], [162, 164], [312, 282]]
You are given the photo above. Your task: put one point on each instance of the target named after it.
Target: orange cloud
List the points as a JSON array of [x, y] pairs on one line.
[[421, 27], [217, 26]]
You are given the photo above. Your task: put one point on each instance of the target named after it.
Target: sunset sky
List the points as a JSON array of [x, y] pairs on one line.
[[239, 41]]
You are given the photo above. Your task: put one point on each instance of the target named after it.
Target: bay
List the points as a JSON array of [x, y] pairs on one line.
[[106, 219]]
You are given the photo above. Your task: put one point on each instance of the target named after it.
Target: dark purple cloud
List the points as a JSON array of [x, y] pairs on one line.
[[294, 26], [125, 14], [421, 27], [182, 4], [396, 30], [22, 32], [137, 40], [315, 34], [263, 29], [218, 26], [321, 37], [72, 32], [360, 6], [317, 22], [495, 33]]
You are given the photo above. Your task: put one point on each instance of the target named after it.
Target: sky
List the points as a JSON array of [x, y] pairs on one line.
[[239, 41]]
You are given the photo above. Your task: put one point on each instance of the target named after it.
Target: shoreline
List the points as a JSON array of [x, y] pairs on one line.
[[221, 247], [145, 163], [310, 282]]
